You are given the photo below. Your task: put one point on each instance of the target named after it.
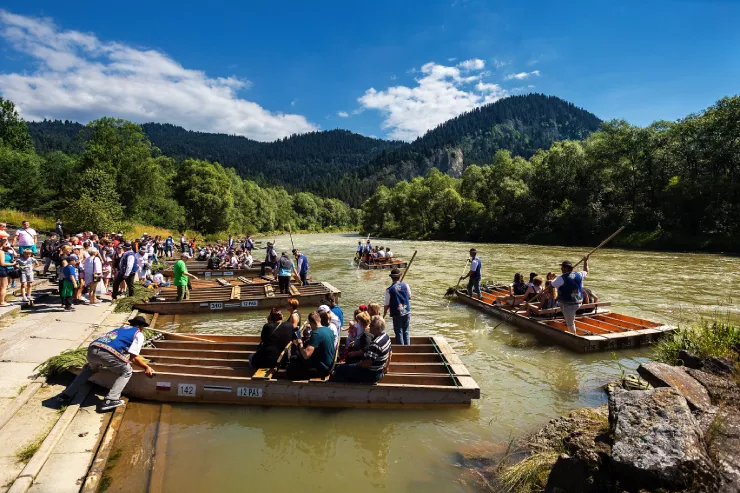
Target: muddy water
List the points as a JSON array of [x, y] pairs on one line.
[[524, 380]]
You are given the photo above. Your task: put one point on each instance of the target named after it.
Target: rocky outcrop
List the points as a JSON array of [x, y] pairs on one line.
[[662, 375], [657, 441], [448, 161]]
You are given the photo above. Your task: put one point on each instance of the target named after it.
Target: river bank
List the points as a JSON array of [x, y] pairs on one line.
[[677, 429]]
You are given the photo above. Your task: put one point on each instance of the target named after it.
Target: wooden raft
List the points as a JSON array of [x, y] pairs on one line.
[[426, 374], [599, 330]]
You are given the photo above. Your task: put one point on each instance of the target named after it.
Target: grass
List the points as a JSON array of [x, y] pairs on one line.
[[15, 218], [706, 339], [529, 474], [24, 454]]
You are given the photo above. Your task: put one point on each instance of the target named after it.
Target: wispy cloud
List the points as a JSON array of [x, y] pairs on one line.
[[523, 75], [441, 92], [342, 114], [80, 77]]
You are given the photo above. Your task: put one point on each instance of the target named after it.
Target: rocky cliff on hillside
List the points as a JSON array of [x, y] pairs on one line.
[[682, 434]]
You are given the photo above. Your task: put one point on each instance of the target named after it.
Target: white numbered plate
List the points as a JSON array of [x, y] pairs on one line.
[[248, 392], [186, 389]]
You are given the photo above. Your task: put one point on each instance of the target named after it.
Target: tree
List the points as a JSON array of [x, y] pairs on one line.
[[204, 190], [13, 131]]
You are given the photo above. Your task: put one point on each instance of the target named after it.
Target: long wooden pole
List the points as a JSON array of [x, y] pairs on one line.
[[186, 336], [291, 237], [408, 265], [601, 245]]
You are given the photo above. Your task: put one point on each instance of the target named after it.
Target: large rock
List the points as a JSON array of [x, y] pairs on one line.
[[662, 375], [657, 441]]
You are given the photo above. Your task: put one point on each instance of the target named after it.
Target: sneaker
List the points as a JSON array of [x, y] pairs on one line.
[[94, 304], [24, 299], [109, 404]]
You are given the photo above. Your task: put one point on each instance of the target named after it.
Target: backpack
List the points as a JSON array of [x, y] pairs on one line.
[[285, 262]]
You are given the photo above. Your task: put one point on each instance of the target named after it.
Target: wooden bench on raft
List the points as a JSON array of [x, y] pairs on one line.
[[552, 312], [223, 282]]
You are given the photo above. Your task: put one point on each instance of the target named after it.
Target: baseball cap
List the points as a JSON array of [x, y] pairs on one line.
[[324, 309], [73, 257], [567, 263]]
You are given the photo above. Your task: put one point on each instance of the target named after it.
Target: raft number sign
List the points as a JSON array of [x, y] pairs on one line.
[[248, 392], [216, 306], [186, 389]]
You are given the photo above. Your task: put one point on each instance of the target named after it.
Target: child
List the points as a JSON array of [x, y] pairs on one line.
[[159, 280], [25, 265], [69, 283], [107, 273]]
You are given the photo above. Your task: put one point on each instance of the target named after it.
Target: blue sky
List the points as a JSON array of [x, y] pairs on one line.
[[382, 68]]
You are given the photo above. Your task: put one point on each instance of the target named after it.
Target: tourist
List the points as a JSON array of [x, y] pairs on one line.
[[373, 364], [570, 291], [550, 276], [333, 302], [3, 233], [284, 271], [142, 262], [49, 248], [59, 229], [373, 309], [183, 244], [534, 288], [397, 301], [518, 287], [334, 323], [247, 260], [388, 253], [275, 336], [107, 272], [381, 253], [213, 261], [25, 238], [474, 274], [25, 265], [6, 262], [93, 274], [127, 269], [358, 338], [316, 357], [112, 351], [69, 282], [302, 269], [548, 300], [180, 276], [169, 246], [158, 279], [295, 315]]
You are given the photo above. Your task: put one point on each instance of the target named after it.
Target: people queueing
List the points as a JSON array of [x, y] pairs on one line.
[[25, 238], [127, 269], [474, 274], [398, 303], [180, 276], [302, 266], [113, 351], [570, 291], [373, 365]]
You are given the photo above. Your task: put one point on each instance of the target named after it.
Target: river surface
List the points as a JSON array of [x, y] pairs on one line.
[[524, 381]]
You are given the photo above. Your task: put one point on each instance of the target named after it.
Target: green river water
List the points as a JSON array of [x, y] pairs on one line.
[[524, 381]]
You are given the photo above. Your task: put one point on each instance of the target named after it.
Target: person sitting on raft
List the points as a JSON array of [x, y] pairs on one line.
[[214, 262], [276, 335], [316, 357], [533, 288], [372, 367], [114, 351], [547, 299], [358, 338], [518, 287], [388, 253]]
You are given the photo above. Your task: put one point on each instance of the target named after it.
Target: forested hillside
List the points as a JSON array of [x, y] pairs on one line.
[[675, 185], [341, 164]]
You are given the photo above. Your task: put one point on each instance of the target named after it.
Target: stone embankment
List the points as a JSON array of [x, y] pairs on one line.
[[681, 434]]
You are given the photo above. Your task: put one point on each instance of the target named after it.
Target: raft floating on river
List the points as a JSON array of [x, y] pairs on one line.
[[425, 374], [232, 298], [396, 263], [596, 331]]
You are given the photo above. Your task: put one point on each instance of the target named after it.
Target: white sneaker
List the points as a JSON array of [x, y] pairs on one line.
[[25, 300]]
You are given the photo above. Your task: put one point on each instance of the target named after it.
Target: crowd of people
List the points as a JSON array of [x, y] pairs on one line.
[[370, 254]]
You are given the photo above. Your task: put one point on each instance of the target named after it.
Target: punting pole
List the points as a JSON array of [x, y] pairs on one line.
[[291, 237], [451, 292], [601, 245], [408, 265], [179, 335]]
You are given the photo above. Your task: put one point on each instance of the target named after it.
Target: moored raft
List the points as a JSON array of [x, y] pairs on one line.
[[395, 263], [599, 330], [201, 269], [232, 298], [215, 369]]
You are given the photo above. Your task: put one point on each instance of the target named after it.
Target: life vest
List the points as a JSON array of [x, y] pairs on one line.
[[117, 341], [476, 272], [271, 257], [124, 262], [304, 263], [571, 291], [399, 300]]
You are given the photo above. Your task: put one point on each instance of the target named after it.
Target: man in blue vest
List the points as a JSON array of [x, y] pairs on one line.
[[474, 274], [271, 259], [570, 291], [113, 351], [127, 269], [397, 301], [302, 266]]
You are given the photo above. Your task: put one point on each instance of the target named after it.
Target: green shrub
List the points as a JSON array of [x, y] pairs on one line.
[[704, 340]]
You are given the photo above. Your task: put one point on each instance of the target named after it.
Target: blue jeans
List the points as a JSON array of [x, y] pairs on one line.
[[474, 286], [354, 373], [304, 278], [401, 328]]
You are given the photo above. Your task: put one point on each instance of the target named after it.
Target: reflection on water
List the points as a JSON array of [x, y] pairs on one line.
[[524, 380]]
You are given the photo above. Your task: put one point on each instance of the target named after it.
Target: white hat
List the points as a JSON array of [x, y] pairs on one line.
[[324, 309]]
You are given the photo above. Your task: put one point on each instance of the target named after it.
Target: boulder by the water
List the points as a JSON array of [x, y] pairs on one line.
[[662, 375], [657, 441]]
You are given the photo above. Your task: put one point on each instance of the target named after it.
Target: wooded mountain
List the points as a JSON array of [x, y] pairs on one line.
[[341, 164]]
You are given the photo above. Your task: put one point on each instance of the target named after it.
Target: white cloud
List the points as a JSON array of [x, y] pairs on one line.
[[523, 75], [473, 64], [343, 114], [80, 77], [441, 93]]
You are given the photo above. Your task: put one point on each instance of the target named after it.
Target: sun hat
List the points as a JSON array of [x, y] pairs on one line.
[[395, 273], [138, 321], [324, 309]]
